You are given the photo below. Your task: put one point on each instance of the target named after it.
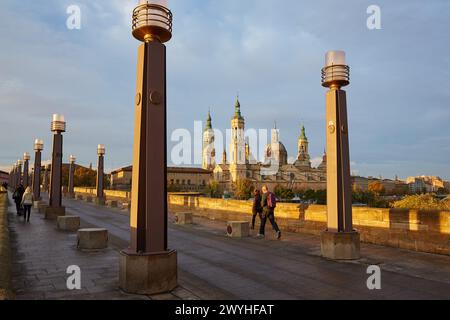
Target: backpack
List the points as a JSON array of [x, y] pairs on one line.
[[271, 201]]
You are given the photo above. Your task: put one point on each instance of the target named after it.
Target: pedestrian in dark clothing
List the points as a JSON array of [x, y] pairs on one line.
[[268, 204], [17, 196], [257, 209]]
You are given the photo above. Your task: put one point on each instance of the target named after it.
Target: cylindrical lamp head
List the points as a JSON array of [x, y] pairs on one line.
[[19, 162], [72, 159], [336, 71], [58, 123], [101, 150], [38, 145], [26, 156], [152, 20]]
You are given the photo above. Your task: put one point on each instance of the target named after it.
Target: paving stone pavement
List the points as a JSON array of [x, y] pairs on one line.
[[212, 266], [42, 254]]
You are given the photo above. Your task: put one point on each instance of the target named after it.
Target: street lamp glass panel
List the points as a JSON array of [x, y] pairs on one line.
[[163, 3], [19, 162], [101, 149], [334, 58], [152, 20], [58, 118], [38, 144], [72, 159], [26, 156]]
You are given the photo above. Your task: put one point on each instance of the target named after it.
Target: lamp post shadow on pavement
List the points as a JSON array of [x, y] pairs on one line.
[[148, 266], [340, 241], [55, 208]]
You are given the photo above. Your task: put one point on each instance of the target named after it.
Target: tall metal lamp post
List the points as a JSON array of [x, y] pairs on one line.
[[12, 178], [55, 207], [340, 241], [71, 189], [26, 170], [148, 266], [38, 147], [19, 172], [100, 196], [46, 182]]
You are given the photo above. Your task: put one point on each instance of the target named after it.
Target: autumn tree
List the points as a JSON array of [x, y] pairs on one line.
[[243, 189], [212, 189], [377, 188]]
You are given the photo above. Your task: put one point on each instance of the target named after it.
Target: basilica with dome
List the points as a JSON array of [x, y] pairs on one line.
[[240, 164]]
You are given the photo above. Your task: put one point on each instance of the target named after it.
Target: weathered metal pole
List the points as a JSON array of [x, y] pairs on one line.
[[26, 170], [71, 186], [19, 173], [100, 193], [152, 24], [38, 147], [55, 207], [46, 182], [12, 178], [339, 241]]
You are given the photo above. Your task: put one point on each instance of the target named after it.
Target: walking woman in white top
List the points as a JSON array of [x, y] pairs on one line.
[[27, 202]]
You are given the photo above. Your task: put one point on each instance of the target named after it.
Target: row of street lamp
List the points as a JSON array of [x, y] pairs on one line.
[[53, 184]]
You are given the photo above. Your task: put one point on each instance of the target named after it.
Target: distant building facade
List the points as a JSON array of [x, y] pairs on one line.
[[4, 177], [396, 186], [188, 179], [121, 178], [425, 184], [178, 179]]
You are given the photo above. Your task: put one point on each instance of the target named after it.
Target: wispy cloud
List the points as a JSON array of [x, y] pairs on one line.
[[271, 53]]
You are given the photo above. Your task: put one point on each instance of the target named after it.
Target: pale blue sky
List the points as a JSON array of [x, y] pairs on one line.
[[270, 51]]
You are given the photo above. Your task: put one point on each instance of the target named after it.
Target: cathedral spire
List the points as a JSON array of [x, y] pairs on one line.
[[224, 157], [208, 121], [303, 135], [237, 109]]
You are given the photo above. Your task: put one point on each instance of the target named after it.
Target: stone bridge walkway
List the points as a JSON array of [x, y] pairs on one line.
[[212, 266]]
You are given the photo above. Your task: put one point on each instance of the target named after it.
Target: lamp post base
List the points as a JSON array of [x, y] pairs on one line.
[[100, 201], [38, 204], [148, 274], [52, 213], [341, 245]]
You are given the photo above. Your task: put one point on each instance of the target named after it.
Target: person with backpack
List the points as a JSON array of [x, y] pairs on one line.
[[268, 204], [257, 209], [27, 202], [17, 196]]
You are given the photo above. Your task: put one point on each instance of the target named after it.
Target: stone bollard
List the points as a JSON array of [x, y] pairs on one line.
[[126, 206], [238, 229], [39, 206], [112, 203], [52, 213], [183, 218], [100, 201], [68, 223], [92, 239], [89, 199], [79, 197], [42, 208]]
